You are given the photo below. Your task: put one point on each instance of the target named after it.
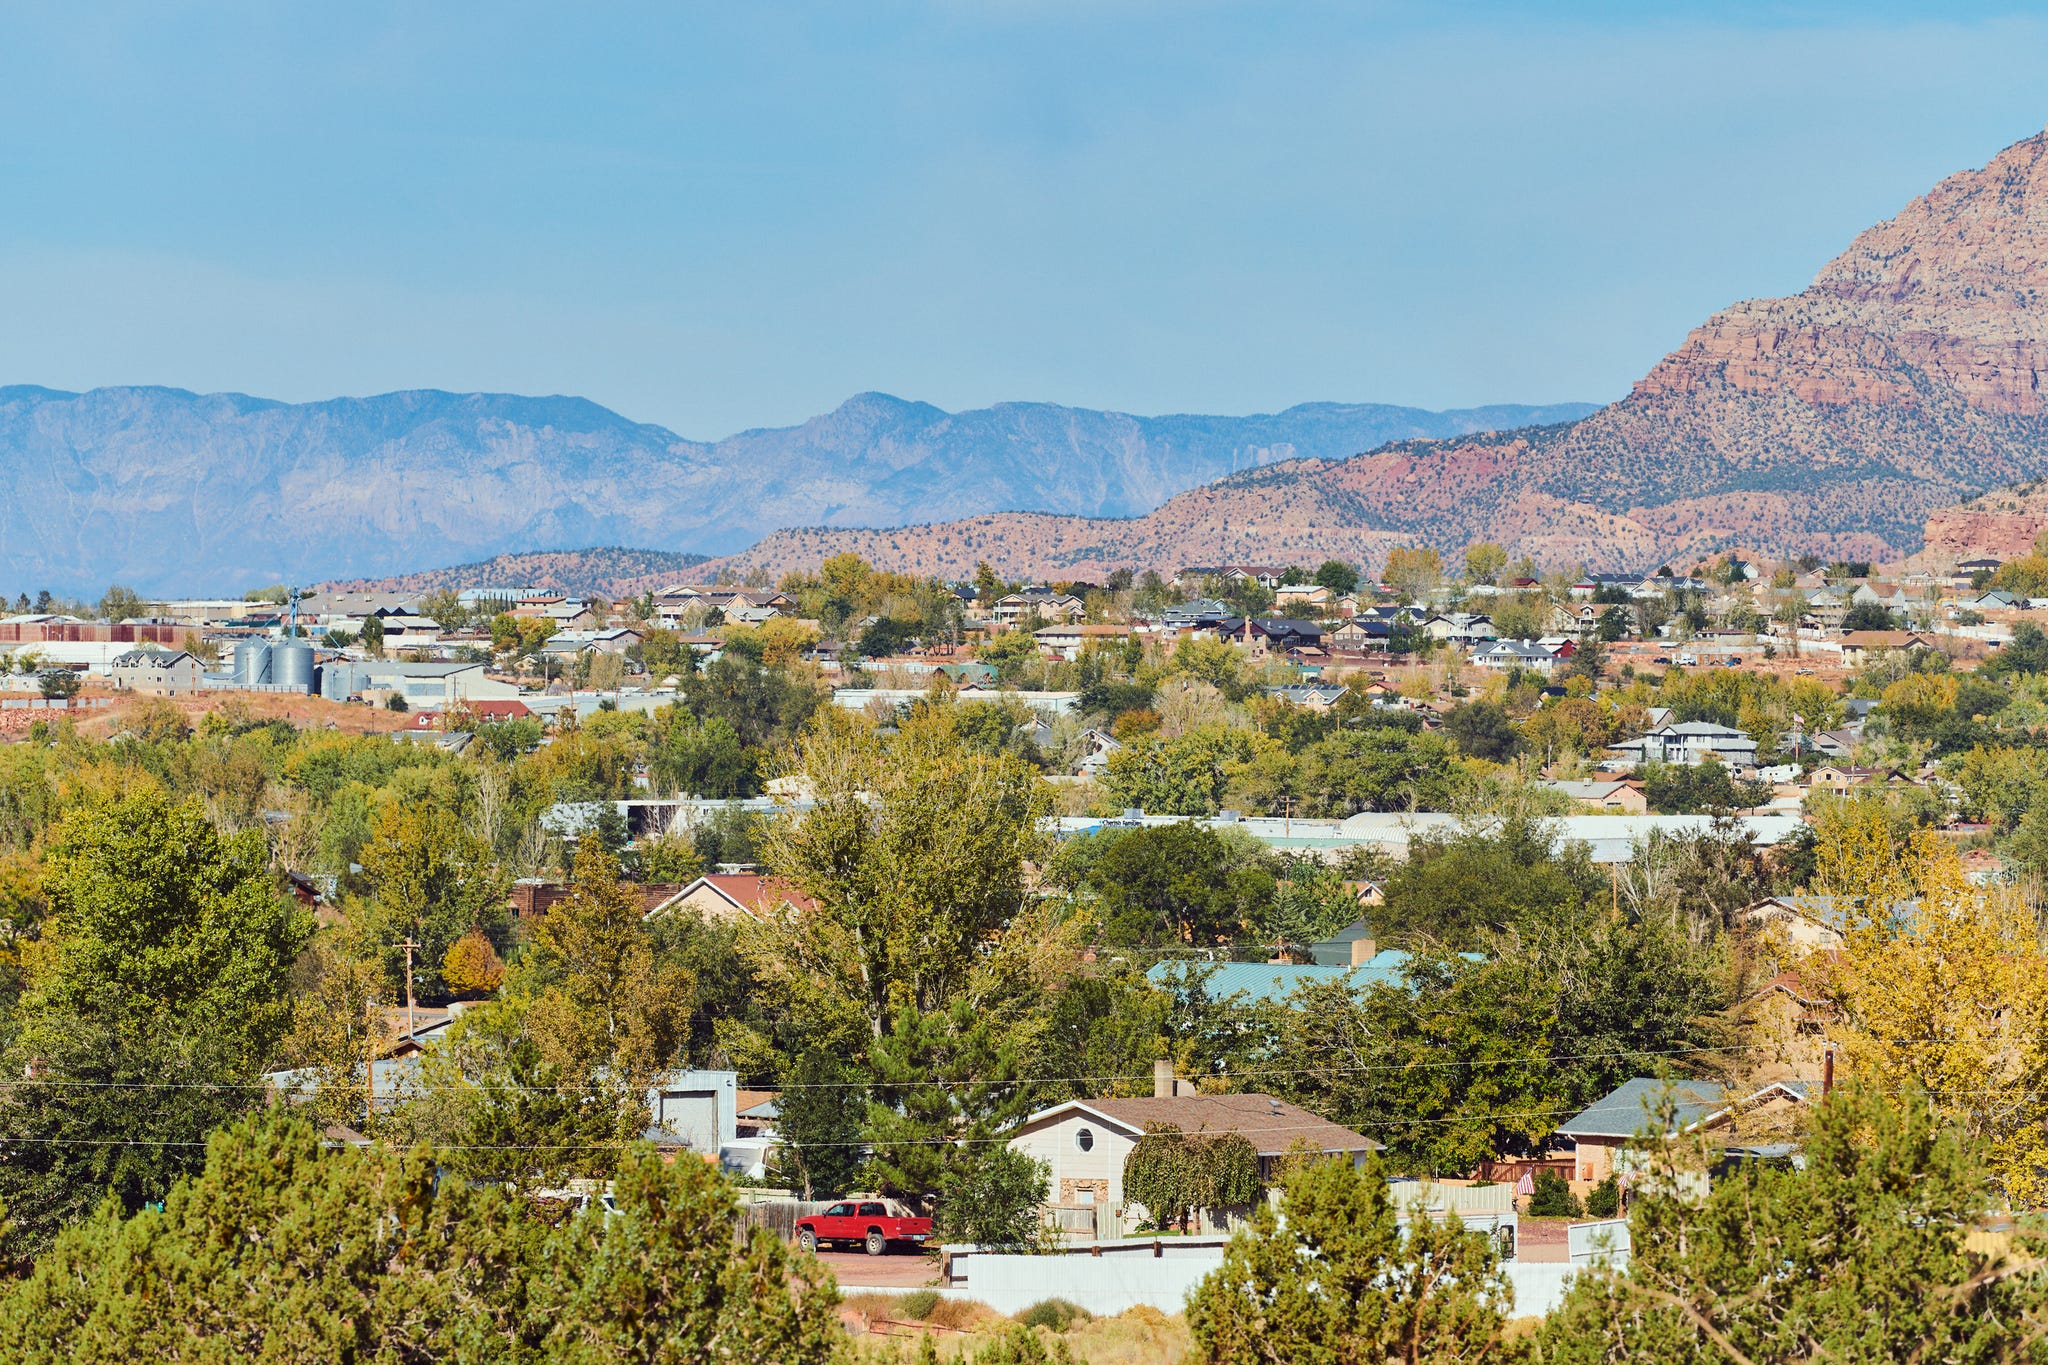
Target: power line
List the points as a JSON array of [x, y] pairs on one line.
[[1544, 1059]]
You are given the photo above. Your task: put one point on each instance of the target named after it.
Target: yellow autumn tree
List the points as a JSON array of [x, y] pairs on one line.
[[1944, 985], [472, 966], [1413, 572]]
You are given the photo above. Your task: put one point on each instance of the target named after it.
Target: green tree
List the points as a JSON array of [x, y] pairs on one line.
[[372, 635], [910, 862], [1869, 616], [431, 879], [163, 994], [57, 684], [819, 1116], [1186, 775], [1458, 883], [1339, 577], [1863, 1256], [992, 1197], [916, 946], [444, 607], [1013, 655], [1482, 729], [122, 604], [1378, 767], [1484, 561], [1178, 883], [1178, 1175], [604, 1001], [1332, 1276], [282, 1250]]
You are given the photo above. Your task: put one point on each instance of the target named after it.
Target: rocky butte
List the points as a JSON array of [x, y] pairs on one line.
[[1906, 377]]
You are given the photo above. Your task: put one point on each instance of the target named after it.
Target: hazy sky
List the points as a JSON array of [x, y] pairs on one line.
[[732, 215]]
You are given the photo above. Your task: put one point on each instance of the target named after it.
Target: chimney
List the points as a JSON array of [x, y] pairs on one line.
[[1362, 951], [1162, 1080]]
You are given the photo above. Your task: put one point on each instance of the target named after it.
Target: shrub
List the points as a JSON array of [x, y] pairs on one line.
[[1056, 1315], [918, 1304], [1552, 1197], [1604, 1199]]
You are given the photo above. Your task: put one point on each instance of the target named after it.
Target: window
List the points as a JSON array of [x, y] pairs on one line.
[[840, 1211], [873, 1211], [1085, 1139]]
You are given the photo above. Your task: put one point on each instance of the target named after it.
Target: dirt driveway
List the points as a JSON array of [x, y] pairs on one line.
[[897, 1270]]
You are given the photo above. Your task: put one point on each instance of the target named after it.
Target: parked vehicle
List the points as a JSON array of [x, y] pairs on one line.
[[873, 1224]]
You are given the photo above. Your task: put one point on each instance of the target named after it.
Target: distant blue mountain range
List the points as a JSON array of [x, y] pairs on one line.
[[169, 491]]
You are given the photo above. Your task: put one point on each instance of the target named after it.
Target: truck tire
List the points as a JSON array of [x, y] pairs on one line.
[[808, 1240], [877, 1244]]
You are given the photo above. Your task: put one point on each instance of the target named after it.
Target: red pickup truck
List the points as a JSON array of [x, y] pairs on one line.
[[875, 1224]]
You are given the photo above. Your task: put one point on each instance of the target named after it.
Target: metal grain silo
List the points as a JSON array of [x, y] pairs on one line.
[[291, 664], [252, 663]]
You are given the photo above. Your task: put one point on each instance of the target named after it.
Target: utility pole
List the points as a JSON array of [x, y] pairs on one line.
[[369, 1059], [409, 947]]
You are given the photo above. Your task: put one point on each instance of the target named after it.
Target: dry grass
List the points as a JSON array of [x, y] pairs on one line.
[[1142, 1336], [304, 712]]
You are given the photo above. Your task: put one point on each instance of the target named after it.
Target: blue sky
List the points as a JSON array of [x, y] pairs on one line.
[[721, 216]]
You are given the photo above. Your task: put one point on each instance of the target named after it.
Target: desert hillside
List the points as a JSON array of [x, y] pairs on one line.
[[1907, 377]]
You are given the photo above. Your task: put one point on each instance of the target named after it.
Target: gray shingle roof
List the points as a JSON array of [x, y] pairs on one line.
[[1272, 1126], [1625, 1111]]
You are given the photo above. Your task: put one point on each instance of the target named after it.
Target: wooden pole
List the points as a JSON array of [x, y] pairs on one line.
[[369, 1060], [409, 947]]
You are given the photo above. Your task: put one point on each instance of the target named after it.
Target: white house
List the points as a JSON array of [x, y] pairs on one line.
[[1085, 1142], [1529, 654], [1689, 742]]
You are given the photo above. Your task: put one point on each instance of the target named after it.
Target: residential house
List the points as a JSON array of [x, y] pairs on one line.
[[1604, 1129], [1577, 618], [1826, 607], [1100, 744], [1314, 696], [1271, 635], [1085, 1143], [1202, 613], [1861, 646], [1360, 633], [1806, 923], [1830, 743], [1839, 778], [733, 896], [573, 615], [1311, 595], [1067, 641], [1619, 797], [1460, 628], [1689, 742], [1265, 575], [613, 640], [1043, 603], [1526, 654], [157, 672]]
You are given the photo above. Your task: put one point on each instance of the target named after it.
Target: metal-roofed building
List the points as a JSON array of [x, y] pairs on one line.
[[1604, 1128]]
